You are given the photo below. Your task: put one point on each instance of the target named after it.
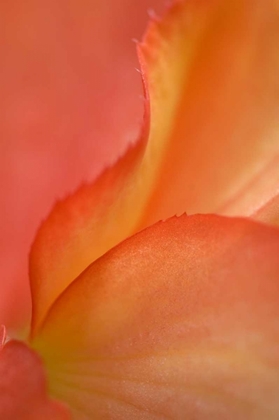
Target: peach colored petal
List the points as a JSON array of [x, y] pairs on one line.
[[80, 229], [99, 216], [23, 393], [179, 321], [86, 225], [70, 103], [212, 70]]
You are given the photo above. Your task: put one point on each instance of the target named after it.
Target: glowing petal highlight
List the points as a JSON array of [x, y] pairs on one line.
[[179, 321]]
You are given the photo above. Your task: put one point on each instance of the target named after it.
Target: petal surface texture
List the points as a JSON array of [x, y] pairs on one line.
[[23, 391], [179, 321], [210, 71], [70, 103]]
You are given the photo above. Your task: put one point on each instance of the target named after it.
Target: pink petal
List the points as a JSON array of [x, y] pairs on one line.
[[209, 139], [23, 393], [70, 103]]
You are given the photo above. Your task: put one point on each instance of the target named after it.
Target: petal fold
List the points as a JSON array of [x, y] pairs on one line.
[[179, 321]]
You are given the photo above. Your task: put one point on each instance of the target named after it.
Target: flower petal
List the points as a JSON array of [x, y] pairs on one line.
[[179, 321], [23, 389], [98, 216], [67, 75], [80, 229], [212, 70], [269, 212]]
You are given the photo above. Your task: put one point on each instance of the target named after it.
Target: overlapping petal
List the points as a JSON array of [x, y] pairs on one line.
[[222, 146], [179, 321], [182, 318], [210, 73], [82, 228], [70, 102], [23, 390]]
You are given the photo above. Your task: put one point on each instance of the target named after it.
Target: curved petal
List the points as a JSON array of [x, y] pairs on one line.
[[80, 229], [179, 321], [23, 393], [210, 69], [222, 146], [67, 75], [97, 217]]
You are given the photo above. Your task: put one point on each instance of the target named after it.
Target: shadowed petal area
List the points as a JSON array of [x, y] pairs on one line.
[[23, 393], [179, 321], [70, 103]]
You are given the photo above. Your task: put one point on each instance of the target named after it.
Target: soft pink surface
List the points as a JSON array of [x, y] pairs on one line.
[[70, 102]]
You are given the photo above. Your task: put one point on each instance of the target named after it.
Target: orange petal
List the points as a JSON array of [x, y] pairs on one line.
[[269, 212], [80, 229], [23, 393], [212, 70], [70, 103], [98, 216], [179, 321]]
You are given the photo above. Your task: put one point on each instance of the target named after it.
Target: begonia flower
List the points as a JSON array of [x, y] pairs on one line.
[[138, 318]]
